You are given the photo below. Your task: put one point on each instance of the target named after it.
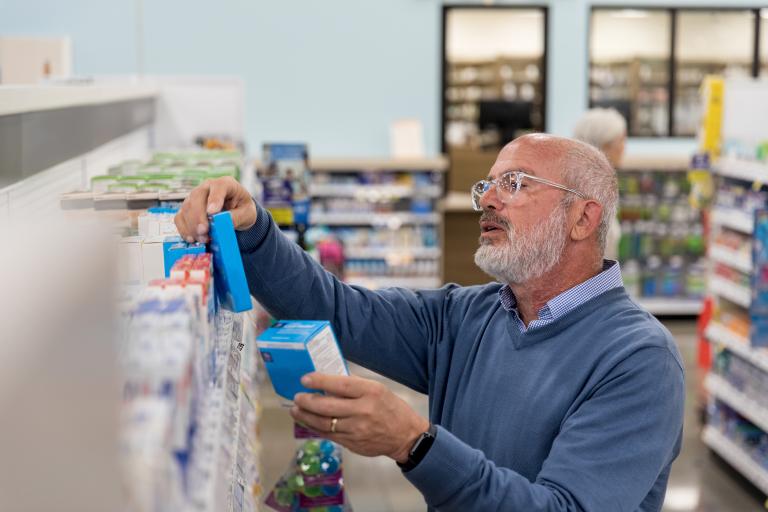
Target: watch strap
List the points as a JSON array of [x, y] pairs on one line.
[[419, 449]]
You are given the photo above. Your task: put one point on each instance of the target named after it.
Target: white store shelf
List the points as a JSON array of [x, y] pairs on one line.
[[731, 258], [392, 220], [437, 164], [659, 306], [363, 253], [736, 457], [738, 220], [458, 202], [374, 192], [33, 98], [739, 345], [374, 282], [746, 170], [744, 405], [736, 293]]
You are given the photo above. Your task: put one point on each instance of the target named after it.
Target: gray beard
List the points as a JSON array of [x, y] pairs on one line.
[[525, 255]]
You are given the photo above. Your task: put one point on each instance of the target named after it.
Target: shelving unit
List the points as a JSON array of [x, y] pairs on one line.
[[374, 282], [737, 416], [730, 257], [386, 213], [391, 220], [736, 457], [373, 192], [741, 403], [662, 236], [740, 169], [501, 79], [389, 252], [638, 87], [36, 98], [736, 220], [740, 295], [739, 345], [672, 307]]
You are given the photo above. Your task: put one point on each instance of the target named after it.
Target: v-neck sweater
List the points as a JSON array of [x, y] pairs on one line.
[[582, 414]]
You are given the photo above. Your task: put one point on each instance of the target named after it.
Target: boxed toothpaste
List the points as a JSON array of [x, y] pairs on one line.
[[292, 348]]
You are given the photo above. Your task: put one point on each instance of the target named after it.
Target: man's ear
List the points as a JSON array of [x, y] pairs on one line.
[[589, 214]]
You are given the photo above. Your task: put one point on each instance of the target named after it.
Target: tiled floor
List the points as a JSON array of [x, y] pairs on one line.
[[700, 482]]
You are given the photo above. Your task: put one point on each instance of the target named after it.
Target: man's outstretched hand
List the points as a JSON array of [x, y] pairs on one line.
[[214, 196]]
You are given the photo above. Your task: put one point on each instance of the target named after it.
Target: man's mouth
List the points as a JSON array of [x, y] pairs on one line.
[[487, 226]]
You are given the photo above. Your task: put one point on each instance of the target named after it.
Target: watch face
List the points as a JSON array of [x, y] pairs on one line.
[[422, 445]]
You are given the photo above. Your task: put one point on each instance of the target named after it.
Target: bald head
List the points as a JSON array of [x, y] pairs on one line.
[[576, 165]]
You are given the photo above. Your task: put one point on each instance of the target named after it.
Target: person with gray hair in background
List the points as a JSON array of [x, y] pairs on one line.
[[549, 390], [605, 129]]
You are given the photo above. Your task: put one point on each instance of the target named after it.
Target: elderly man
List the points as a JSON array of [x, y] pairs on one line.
[[550, 390]]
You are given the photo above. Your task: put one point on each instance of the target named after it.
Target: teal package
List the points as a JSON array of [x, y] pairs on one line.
[[292, 348]]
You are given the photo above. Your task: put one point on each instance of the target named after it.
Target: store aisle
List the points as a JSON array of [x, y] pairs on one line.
[[700, 482]]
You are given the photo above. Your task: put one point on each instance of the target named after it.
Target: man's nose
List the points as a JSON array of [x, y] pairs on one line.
[[490, 200]]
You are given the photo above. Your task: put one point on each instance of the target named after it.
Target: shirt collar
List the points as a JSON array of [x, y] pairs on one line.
[[558, 306]]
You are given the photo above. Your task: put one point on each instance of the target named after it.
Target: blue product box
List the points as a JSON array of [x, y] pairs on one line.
[[228, 273], [292, 348]]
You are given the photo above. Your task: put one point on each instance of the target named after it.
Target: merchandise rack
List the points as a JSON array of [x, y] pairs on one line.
[[739, 345], [734, 303], [740, 402], [381, 191], [659, 166], [736, 457]]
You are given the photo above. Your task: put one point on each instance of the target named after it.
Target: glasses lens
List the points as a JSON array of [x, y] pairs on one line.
[[507, 186], [478, 189]]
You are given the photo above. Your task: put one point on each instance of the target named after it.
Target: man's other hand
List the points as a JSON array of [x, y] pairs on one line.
[[370, 419]]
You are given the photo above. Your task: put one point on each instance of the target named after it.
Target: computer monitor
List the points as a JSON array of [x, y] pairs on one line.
[[508, 117]]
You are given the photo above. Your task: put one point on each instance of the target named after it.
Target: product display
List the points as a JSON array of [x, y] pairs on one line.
[[738, 330], [189, 406], [166, 176], [637, 88], [661, 249], [385, 215], [748, 438], [489, 102]]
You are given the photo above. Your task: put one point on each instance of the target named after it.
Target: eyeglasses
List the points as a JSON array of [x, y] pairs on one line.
[[508, 184]]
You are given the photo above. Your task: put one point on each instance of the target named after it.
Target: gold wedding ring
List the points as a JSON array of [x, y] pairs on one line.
[[334, 422]]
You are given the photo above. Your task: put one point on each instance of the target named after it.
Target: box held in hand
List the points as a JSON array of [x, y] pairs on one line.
[[292, 348]]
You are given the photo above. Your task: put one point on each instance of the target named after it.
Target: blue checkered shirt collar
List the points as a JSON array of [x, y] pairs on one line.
[[562, 304]]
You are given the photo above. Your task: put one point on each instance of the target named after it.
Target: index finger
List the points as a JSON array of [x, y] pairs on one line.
[[191, 220], [347, 386]]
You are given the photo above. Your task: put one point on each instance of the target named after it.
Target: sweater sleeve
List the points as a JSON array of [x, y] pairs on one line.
[[607, 456], [388, 331]]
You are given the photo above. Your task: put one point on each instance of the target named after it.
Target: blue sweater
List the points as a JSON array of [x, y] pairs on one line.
[[583, 414]]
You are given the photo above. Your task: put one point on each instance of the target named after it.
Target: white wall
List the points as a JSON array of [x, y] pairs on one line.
[[333, 73]]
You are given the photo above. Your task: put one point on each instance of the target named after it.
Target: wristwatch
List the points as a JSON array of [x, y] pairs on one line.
[[419, 449]]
